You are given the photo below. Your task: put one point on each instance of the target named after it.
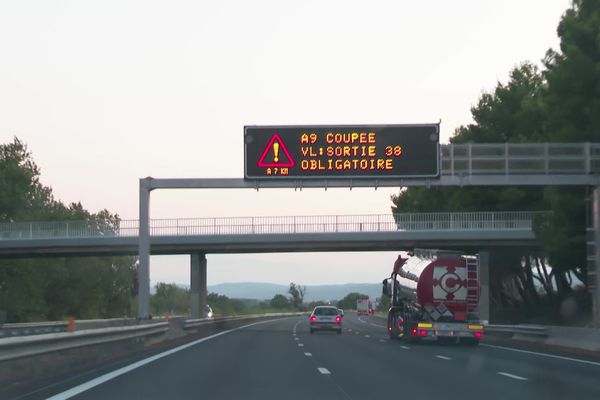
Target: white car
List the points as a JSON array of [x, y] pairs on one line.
[[326, 318]]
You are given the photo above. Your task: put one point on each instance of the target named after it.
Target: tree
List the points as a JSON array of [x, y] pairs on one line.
[[572, 96], [279, 301], [349, 301], [169, 299], [297, 292], [52, 288]]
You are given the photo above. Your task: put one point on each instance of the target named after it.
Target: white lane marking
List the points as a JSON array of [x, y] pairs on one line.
[[382, 340], [308, 354], [295, 327], [296, 338], [324, 371], [367, 336], [300, 345], [111, 375], [377, 325], [405, 347], [349, 330], [444, 357], [362, 320], [357, 333], [517, 377], [543, 354]]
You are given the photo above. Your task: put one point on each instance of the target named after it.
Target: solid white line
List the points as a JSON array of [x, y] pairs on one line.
[[405, 347], [111, 375], [444, 357], [300, 345], [324, 371], [308, 354], [520, 378], [543, 354]]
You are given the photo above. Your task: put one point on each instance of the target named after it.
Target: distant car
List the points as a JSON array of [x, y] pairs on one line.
[[341, 312], [209, 312], [325, 318]]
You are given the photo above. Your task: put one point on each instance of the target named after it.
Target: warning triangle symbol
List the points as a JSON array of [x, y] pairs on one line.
[[276, 154]]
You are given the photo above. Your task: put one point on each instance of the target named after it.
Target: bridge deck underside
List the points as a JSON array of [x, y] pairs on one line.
[[308, 242]]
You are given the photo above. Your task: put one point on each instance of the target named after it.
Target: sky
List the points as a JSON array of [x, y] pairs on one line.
[[105, 93]]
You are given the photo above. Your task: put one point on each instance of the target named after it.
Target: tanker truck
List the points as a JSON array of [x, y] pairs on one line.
[[434, 296]]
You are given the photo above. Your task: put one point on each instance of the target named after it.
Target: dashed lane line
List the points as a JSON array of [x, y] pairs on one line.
[[300, 345], [405, 347], [308, 354], [324, 371], [382, 340], [517, 377], [367, 336], [296, 338], [444, 357]]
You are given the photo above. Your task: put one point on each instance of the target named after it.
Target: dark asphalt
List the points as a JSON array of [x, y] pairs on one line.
[[266, 361]]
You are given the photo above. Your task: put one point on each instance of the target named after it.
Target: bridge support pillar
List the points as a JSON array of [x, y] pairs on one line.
[[484, 286], [594, 265], [198, 285]]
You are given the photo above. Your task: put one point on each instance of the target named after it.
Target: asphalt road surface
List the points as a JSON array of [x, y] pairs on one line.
[[280, 359]]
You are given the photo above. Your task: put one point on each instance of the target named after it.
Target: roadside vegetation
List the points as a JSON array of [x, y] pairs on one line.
[[39, 289], [557, 102]]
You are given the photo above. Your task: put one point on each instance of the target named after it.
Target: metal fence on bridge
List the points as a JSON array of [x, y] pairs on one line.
[[463, 221]]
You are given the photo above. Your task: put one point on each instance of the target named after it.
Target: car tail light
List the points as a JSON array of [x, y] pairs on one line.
[[478, 335], [338, 319], [414, 331], [423, 332], [390, 329], [313, 319]]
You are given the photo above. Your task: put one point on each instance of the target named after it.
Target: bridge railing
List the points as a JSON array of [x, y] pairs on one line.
[[520, 158], [443, 221]]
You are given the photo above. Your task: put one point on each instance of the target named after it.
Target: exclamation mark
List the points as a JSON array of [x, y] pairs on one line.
[[276, 152]]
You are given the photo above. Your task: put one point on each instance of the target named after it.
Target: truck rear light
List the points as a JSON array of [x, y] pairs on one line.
[[478, 335], [423, 332], [414, 331]]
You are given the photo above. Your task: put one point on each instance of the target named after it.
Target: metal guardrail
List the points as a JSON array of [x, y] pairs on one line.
[[28, 329], [527, 330], [442, 221], [194, 323], [26, 346]]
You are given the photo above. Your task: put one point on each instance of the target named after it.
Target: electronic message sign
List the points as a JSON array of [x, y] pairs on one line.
[[341, 151]]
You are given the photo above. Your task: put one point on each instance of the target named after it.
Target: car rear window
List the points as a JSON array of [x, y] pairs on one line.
[[326, 311]]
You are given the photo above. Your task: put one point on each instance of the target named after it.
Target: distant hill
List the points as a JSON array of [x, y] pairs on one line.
[[266, 291]]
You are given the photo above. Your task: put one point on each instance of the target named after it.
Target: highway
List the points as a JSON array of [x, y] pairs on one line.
[[280, 359]]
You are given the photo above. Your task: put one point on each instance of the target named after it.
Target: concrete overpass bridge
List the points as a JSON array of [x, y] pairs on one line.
[[386, 232]]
